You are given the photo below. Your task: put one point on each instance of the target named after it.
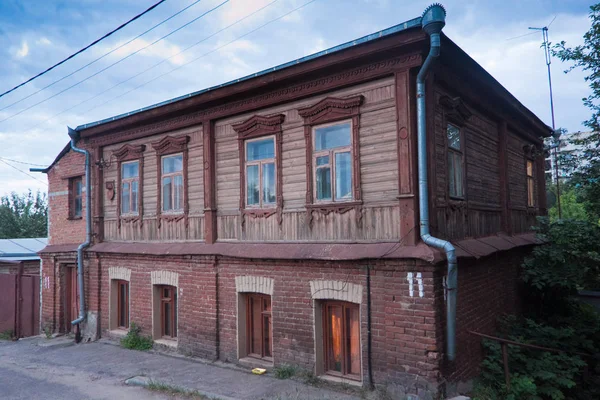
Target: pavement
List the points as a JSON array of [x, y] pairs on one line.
[[38, 368]]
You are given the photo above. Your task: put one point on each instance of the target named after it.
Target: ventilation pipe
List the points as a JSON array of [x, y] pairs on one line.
[[432, 21], [74, 135]]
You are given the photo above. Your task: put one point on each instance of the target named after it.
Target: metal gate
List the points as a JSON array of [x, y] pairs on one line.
[[19, 304]]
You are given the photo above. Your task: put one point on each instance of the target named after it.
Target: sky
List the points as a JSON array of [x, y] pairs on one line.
[[35, 34]]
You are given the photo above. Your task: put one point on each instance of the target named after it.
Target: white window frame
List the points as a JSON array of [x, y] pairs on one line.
[[273, 160], [172, 175], [130, 181]]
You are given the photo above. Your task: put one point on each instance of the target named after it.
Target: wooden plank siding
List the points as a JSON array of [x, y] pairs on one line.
[[147, 229], [379, 175], [480, 213]]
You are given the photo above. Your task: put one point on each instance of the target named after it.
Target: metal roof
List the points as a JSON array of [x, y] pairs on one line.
[[21, 249], [416, 22]]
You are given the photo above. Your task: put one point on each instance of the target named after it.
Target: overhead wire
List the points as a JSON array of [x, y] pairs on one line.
[[23, 172], [203, 55], [84, 49], [22, 162], [101, 57], [152, 67], [115, 63]]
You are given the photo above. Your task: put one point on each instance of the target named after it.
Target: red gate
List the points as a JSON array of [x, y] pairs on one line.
[[20, 304]]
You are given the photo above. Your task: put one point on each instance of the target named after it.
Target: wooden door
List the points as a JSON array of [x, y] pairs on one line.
[[71, 297]]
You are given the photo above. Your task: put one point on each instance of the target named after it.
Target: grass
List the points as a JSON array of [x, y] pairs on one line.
[[177, 391], [284, 371], [134, 341], [6, 335]]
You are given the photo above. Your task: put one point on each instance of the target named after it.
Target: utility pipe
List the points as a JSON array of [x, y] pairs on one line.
[[74, 135], [432, 22]]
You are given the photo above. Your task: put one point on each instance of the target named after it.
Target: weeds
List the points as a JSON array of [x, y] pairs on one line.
[[6, 335], [284, 371], [177, 391], [135, 341], [48, 332]]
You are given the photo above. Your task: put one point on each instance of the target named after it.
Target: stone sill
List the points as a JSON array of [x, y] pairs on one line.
[[252, 362], [167, 343], [339, 379]]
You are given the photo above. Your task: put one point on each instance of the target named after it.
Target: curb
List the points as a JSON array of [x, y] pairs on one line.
[[144, 381]]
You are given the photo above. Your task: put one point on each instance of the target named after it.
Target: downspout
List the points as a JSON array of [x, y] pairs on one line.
[[433, 21], [74, 135]]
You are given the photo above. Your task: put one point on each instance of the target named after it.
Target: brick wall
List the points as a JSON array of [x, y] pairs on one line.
[[487, 289], [62, 229], [53, 288]]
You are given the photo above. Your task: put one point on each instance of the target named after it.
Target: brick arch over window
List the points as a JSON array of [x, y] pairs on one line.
[[336, 290], [123, 274], [254, 284], [165, 278]]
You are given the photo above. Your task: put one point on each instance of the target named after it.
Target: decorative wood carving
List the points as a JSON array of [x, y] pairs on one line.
[[289, 93], [455, 109], [165, 146], [332, 109], [110, 190], [126, 153], [254, 127], [532, 152]]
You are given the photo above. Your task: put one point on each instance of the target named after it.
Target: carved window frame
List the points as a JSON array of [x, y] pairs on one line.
[[167, 146], [253, 128], [129, 153], [327, 111], [456, 113]]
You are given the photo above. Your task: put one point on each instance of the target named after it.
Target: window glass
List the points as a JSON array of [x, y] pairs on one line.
[[453, 137], [335, 345], [166, 196], [134, 196], [125, 199], [130, 170], [455, 175], [529, 168], [260, 149], [333, 136], [172, 164], [353, 340], [323, 176], [178, 192], [268, 182], [323, 160], [77, 197], [343, 176], [252, 185]]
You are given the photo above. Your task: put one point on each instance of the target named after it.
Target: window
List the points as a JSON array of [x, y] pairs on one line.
[[76, 192], [530, 184], [260, 173], [172, 183], [332, 162], [259, 326], [168, 311], [129, 187], [122, 304], [455, 162], [341, 328]]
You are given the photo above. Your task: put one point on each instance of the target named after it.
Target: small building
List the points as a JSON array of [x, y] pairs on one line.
[[276, 219], [15, 253]]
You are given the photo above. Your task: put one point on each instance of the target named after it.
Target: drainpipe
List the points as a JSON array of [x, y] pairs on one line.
[[433, 20], [74, 135]]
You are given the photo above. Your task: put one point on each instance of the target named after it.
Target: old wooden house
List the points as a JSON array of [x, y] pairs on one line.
[[275, 219]]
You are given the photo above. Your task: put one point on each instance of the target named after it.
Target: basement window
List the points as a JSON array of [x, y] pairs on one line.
[[341, 339], [259, 326], [168, 311]]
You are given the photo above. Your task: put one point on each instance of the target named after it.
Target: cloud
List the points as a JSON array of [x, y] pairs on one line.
[[161, 50], [23, 50], [44, 41]]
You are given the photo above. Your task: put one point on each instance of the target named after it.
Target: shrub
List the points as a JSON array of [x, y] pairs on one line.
[[284, 371], [134, 341], [6, 335]]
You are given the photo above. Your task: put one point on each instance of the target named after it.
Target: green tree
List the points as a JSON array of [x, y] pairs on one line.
[[571, 206], [586, 174], [23, 216]]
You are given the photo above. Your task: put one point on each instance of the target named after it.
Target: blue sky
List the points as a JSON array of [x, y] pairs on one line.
[[35, 34]]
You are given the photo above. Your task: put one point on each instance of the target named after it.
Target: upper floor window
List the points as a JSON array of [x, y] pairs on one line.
[[332, 162], [261, 179], [76, 194], [130, 172], [530, 184], [172, 183], [455, 162]]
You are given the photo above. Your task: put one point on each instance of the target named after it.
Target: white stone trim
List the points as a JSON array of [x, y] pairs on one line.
[[120, 273], [336, 290], [165, 278], [254, 284]]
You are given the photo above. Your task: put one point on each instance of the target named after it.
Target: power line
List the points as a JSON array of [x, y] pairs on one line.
[[152, 67], [22, 162], [115, 63], [84, 49], [23, 172], [101, 57], [205, 54]]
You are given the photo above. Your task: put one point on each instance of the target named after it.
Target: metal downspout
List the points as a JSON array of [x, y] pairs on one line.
[[74, 135], [433, 20]]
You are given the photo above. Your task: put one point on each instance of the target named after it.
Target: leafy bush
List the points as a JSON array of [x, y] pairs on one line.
[[6, 335], [284, 371], [134, 341]]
